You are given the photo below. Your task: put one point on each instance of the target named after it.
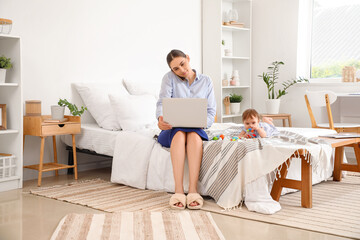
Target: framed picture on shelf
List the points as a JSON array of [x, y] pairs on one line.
[[2, 116]]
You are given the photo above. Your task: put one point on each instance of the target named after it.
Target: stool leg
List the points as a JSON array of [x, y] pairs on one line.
[[339, 155], [55, 154], [74, 155], [41, 160], [289, 120], [306, 183], [284, 123]]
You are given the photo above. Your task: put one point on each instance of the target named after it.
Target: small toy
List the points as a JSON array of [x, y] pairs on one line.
[[234, 139], [218, 137], [250, 133]]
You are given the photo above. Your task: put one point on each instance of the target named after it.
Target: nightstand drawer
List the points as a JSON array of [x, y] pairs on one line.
[[60, 129]]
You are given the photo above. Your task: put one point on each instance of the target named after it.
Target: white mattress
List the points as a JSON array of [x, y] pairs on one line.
[[102, 141], [94, 138]]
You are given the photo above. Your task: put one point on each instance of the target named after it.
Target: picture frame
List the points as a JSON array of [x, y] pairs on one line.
[[3, 117]]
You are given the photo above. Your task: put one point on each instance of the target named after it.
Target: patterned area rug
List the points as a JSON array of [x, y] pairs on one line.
[[336, 205], [139, 225]]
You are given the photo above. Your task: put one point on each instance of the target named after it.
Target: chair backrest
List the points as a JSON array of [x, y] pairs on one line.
[[320, 99]]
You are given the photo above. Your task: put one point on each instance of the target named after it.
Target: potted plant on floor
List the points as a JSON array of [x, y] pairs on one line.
[[270, 78], [235, 101], [5, 63], [57, 111]]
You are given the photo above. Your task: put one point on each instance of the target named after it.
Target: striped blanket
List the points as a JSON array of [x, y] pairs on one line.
[[228, 165]]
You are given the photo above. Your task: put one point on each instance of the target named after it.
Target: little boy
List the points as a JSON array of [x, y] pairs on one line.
[[253, 128]]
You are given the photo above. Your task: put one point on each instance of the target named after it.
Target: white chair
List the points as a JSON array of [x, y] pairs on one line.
[[325, 99]]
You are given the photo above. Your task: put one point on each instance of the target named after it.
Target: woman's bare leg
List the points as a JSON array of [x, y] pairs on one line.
[[177, 152], [194, 150]]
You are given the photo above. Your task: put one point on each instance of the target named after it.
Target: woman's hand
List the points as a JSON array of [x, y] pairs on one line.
[[163, 125]]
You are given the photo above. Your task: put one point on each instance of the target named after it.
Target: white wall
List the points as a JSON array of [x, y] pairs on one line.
[[93, 41], [275, 26]]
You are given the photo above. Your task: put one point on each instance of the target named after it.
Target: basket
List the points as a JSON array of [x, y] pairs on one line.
[[5, 25], [7, 165]]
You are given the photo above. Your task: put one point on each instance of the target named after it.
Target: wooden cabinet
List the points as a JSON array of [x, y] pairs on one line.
[[238, 40], [37, 126], [11, 171]]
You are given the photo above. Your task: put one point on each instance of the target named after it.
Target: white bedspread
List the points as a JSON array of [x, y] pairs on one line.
[[141, 162]]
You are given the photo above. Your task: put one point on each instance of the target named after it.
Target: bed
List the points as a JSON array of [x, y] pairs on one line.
[[139, 161], [151, 167]]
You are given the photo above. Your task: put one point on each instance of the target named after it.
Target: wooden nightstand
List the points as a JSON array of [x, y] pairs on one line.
[[35, 126]]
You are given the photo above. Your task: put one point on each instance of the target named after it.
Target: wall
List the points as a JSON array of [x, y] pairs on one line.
[[96, 41], [275, 34]]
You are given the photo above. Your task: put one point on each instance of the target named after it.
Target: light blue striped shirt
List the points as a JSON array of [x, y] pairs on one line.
[[173, 87]]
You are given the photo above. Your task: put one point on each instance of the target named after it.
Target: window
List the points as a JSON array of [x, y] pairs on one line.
[[335, 37]]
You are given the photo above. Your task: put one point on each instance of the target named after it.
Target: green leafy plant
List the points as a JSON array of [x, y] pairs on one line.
[[5, 62], [270, 78], [234, 98], [72, 107], [223, 42]]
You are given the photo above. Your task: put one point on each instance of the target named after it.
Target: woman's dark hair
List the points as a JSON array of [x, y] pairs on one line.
[[174, 54]]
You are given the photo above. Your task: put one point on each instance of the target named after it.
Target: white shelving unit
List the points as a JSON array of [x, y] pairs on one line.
[[216, 64], [11, 139]]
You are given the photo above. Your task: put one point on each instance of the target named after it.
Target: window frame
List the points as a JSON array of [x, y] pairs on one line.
[[304, 46]]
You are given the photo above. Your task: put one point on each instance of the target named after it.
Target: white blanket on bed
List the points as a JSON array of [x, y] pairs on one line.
[[141, 162]]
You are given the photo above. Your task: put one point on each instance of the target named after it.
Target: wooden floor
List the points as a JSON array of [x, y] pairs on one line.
[[26, 216]]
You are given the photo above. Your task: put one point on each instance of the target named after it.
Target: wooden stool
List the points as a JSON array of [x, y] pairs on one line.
[[282, 116]]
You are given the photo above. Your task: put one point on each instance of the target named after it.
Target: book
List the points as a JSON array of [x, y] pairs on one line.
[[55, 120], [342, 135]]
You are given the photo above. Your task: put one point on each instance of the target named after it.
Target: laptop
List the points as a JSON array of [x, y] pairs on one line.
[[185, 112]]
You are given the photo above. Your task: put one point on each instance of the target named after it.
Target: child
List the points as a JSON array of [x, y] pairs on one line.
[[251, 120]]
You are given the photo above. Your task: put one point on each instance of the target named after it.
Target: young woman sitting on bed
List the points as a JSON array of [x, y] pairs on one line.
[[184, 82]]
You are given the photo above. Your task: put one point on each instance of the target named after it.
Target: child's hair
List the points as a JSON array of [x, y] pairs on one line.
[[174, 54], [249, 113]]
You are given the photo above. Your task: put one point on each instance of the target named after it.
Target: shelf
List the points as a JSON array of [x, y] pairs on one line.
[[8, 131], [232, 57], [232, 87], [9, 84], [236, 1], [230, 28], [3, 36], [9, 178], [231, 115]]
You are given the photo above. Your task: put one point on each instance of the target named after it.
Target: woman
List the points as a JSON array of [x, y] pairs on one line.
[[184, 82]]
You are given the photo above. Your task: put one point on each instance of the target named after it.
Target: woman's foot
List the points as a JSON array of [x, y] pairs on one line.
[[178, 201], [194, 201]]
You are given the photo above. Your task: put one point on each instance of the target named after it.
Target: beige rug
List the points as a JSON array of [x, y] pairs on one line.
[[139, 225], [336, 205]]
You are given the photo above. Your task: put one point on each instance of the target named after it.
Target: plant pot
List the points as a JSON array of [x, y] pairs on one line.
[[57, 112], [272, 106], [2, 75], [235, 108]]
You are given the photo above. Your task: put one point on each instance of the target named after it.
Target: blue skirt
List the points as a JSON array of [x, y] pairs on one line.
[[166, 136]]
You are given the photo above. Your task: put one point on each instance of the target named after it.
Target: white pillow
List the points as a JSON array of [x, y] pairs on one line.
[[95, 97], [134, 112], [142, 88]]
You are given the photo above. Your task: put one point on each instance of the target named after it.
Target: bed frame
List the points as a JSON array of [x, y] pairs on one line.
[[84, 151]]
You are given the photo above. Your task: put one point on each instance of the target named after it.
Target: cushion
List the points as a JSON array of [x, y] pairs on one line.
[[134, 112], [142, 87], [95, 98]]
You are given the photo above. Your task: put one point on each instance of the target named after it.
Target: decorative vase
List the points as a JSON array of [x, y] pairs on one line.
[[272, 106], [57, 112], [2, 75], [235, 108]]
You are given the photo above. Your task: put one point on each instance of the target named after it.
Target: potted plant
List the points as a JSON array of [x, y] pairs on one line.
[[235, 101], [270, 78], [5, 63], [57, 111]]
